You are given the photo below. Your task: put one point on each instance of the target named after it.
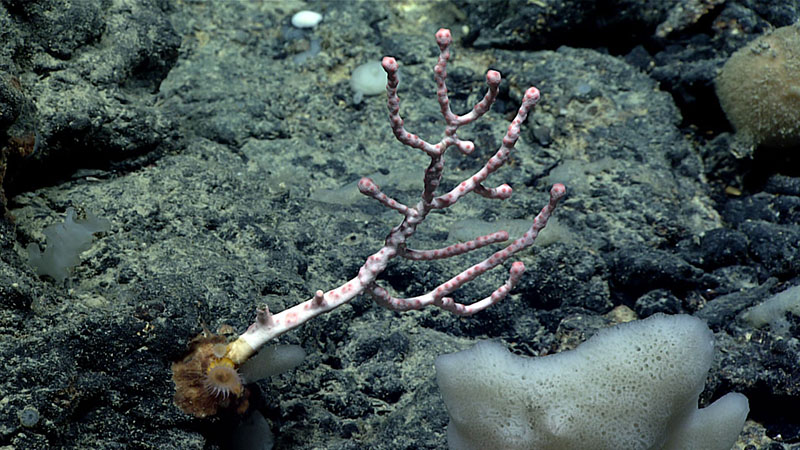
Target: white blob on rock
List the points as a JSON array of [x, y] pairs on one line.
[[306, 19], [368, 79]]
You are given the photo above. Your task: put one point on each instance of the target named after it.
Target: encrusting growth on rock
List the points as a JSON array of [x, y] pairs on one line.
[[206, 381]]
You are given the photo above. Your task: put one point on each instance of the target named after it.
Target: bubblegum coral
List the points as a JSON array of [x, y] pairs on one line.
[[208, 377], [268, 326]]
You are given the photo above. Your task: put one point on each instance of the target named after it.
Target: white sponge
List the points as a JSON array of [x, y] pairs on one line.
[[65, 242], [368, 79], [632, 386], [773, 310]]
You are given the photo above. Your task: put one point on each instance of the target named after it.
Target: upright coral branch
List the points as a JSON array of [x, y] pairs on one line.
[[268, 326]]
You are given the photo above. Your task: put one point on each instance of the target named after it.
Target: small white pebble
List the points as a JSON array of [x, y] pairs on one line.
[[306, 19]]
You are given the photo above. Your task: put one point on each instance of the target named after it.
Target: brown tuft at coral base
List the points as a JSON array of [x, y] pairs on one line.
[[192, 394]]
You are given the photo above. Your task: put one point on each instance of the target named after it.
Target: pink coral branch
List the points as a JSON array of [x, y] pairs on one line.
[[269, 326]]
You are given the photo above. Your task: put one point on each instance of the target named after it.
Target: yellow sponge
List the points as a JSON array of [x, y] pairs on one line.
[[759, 89]]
